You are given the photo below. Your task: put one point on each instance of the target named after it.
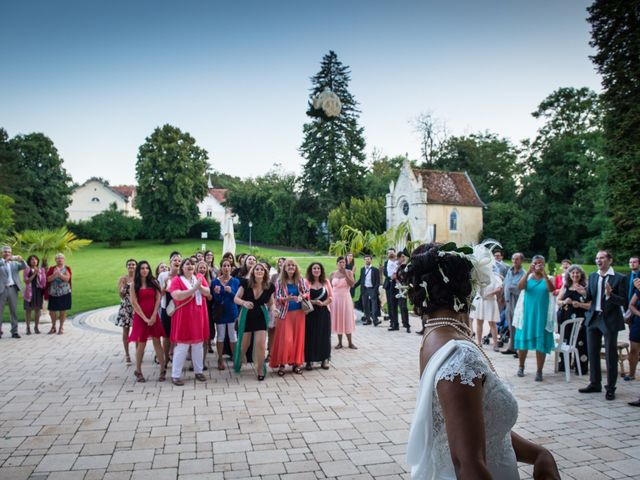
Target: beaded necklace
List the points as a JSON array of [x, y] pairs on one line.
[[461, 328]]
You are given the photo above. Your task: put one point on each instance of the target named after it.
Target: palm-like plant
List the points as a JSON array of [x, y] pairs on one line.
[[45, 243]]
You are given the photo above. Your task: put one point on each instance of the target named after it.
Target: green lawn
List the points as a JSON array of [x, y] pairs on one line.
[[96, 268]]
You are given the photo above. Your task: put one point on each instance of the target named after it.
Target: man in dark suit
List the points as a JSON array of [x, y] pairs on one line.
[[369, 281], [607, 292], [390, 268]]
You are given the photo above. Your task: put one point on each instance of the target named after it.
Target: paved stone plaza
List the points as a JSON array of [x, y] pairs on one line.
[[70, 409]]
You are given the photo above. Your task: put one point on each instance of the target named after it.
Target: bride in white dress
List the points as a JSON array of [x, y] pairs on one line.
[[464, 412]]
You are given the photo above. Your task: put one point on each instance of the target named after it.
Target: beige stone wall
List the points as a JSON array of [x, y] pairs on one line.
[[469, 223]]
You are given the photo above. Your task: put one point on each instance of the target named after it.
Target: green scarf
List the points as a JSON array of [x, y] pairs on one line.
[[242, 320]]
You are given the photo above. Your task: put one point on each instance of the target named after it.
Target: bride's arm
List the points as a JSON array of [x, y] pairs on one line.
[[544, 466], [464, 421]]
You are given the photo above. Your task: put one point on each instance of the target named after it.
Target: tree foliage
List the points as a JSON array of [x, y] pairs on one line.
[[6, 215], [615, 35], [114, 226], [381, 172], [490, 161], [43, 191], [46, 243], [333, 149], [9, 169], [508, 223], [361, 213], [171, 173], [564, 162], [279, 213]]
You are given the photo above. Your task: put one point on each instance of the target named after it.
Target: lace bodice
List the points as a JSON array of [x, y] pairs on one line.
[[500, 411]]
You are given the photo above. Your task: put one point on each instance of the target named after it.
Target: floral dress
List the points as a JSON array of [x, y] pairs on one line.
[[125, 313]]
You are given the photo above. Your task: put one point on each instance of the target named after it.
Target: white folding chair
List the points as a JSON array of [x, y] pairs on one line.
[[567, 349]]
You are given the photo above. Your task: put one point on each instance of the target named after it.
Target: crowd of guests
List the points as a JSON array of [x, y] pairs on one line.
[[280, 316], [40, 283], [532, 306]]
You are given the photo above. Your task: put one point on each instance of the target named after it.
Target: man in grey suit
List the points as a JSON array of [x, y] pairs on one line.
[[607, 292], [10, 286]]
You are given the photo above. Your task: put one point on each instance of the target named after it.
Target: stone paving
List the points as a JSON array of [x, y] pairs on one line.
[[70, 409]]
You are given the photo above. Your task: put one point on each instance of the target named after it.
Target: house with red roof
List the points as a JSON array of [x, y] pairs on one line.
[[95, 195]]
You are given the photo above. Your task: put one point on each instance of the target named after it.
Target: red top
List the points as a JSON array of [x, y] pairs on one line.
[[189, 324]]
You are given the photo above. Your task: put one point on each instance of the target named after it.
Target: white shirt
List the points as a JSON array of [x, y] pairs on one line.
[[7, 267], [392, 267], [162, 278], [367, 277], [601, 280]]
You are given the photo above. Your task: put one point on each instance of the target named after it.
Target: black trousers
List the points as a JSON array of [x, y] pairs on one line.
[[369, 303], [596, 332], [392, 304], [404, 312]]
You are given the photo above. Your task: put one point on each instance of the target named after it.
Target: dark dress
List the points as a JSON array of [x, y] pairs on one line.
[[567, 312], [317, 336], [255, 317]]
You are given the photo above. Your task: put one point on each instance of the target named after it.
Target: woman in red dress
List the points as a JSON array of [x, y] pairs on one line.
[[190, 321], [145, 300], [288, 345]]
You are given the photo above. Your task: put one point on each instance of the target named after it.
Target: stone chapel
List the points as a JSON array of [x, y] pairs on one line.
[[439, 206]]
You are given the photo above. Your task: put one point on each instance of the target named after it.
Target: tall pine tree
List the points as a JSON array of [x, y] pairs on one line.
[[616, 36], [333, 148]]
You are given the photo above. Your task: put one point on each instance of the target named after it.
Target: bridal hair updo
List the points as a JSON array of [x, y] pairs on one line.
[[447, 278]]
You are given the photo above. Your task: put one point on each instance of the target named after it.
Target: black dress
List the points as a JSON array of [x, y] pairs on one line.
[[566, 313], [317, 334], [255, 317]]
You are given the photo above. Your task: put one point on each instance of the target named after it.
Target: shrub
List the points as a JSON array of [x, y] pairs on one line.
[[209, 225]]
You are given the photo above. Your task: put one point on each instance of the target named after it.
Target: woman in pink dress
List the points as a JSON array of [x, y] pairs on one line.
[[145, 300], [190, 321], [343, 317]]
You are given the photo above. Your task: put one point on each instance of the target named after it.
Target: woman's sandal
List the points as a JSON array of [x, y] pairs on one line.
[[353, 347], [325, 365], [221, 365], [338, 346], [177, 381], [163, 375], [281, 372], [200, 377], [139, 377], [260, 378], [60, 331], [36, 330], [297, 370], [127, 360], [52, 331]]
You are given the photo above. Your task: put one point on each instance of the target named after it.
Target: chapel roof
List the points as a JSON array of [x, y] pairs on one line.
[[449, 188], [126, 191], [220, 194]]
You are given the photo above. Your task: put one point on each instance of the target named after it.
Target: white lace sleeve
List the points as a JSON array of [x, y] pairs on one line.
[[465, 362]]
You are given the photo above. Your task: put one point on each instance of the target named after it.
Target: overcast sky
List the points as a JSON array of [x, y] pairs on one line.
[[98, 77]]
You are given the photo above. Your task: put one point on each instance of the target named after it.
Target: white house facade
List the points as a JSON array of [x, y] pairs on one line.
[[95, 196], [439, 206]]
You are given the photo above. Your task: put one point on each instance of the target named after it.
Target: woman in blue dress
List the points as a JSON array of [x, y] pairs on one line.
[[534, 317], [224, 290]]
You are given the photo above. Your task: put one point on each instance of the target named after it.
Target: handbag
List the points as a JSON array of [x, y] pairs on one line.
[[171, 307], [306, 305]]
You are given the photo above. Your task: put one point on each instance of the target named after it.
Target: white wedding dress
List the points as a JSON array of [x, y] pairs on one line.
[[428, 451]]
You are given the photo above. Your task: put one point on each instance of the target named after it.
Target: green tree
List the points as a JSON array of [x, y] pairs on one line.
[[381, 172], [333, 148], [279, 214], [361, 213], [509, 224], [114, 226], [490, 161], [615, 35], [9, 177], [43, 192], [564, 164], [6, 215], [171, 173]]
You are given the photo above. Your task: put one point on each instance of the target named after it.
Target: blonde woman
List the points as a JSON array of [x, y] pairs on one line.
[[288, 344]]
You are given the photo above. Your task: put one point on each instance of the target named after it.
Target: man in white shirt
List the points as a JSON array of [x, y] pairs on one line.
[[10, 285], [390, 269]]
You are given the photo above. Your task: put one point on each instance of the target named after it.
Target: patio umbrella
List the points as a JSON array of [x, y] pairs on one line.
[[228, 237]]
